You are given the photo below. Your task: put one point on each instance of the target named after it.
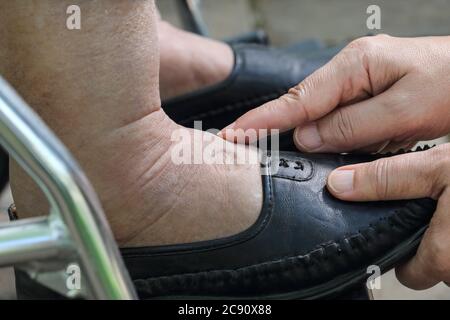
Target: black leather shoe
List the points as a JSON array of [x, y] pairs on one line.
[[260, 74], [306, 244]]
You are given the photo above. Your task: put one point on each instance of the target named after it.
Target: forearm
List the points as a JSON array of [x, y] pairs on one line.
[[62, 72]]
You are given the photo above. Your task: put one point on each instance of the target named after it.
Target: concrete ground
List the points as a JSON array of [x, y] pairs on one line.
[[290, 21]]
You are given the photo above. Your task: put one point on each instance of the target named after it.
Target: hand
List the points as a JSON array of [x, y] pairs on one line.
[[378, 93], [408, 176]]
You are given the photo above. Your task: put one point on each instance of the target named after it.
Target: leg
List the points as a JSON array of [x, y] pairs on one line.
[[97, 88], [190, 62]]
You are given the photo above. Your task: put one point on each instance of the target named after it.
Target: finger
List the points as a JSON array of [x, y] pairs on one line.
[[314, 97], [387, 147], [353, 127], [408, 176], [431, 264], [397, 146], [417, 273], [372, 149]]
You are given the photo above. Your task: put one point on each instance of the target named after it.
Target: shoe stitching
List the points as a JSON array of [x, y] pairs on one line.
[[307, 259]]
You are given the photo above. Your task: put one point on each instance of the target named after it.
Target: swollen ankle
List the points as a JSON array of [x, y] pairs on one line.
[[195, 202]]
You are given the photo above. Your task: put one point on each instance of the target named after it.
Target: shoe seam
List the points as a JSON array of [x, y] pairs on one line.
[[304, 256]]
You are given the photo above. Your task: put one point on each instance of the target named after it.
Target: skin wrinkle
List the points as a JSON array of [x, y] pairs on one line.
[[366, 66], [440, 159], [298, 92]]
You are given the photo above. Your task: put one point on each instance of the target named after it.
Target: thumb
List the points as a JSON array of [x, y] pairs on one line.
[[431, 263], [407, 176]]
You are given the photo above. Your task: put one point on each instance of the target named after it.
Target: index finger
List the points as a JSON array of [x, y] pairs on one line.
[[343, 79]]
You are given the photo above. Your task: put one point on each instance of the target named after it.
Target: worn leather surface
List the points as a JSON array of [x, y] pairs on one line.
[[303, 237]]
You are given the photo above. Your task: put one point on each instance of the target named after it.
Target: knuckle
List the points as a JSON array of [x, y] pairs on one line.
[[295, 99], [366, 47], [342, 128], [354, 61], [298, 91], [440, 157], [363, 44], [355, 54], [369, 43], [353, 84], [381, 39], [380, 181]]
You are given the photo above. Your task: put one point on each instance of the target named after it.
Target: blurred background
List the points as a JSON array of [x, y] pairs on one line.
[[288, 22]]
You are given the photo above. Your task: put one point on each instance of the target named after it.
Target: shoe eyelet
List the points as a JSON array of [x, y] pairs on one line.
[[284, 163], [299, 165]]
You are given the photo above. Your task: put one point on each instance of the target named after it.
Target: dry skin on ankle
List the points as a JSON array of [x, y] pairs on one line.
[[97, 88]]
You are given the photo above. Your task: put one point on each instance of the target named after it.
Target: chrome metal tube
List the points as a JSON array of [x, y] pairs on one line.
[[70, 195], [30, 240]]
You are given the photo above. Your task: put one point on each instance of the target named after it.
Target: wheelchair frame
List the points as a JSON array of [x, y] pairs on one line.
[[75, 231]]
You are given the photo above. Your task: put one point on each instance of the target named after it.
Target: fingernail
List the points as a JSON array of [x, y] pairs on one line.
[[308, 137], [341, 181], [223, 131]]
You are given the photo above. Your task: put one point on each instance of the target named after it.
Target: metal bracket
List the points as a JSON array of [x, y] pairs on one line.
[[192, 20]]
